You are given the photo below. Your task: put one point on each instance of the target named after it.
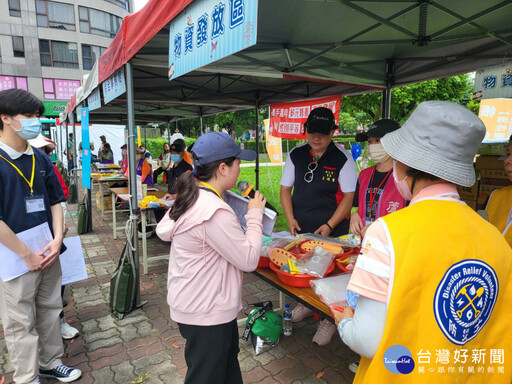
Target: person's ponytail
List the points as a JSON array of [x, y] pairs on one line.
[[187, 194], [187, 190]]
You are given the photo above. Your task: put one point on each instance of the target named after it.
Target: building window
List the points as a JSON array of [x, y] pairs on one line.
[[98, 22], [90, 54], [51, 14], [10, 82], [60, 89], [125, 4], [18, 47], [58, 54], [14, 8]]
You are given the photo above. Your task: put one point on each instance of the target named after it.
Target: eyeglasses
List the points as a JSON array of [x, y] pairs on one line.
[[308, 177]]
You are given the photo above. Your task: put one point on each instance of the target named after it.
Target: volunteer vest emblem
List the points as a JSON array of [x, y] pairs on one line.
[[464, 300]]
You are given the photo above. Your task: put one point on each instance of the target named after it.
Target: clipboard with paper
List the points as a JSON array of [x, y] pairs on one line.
[[239, 205]]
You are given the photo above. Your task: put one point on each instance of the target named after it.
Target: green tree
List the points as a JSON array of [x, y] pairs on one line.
[[367, 108]]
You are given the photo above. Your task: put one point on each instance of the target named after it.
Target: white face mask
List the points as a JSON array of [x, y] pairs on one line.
[[377, 153]]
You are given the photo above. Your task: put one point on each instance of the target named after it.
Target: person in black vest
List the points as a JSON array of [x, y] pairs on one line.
[[323, 178]]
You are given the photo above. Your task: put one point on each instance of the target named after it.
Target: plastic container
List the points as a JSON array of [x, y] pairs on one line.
[[287, 320], [264, 262], [300, 280]]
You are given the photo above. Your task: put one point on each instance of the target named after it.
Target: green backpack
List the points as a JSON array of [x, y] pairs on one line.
[[122, 286], [83, 218], [264, 322]]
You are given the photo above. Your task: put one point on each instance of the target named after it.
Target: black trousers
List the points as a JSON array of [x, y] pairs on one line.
[[156, 173], [211, 353]]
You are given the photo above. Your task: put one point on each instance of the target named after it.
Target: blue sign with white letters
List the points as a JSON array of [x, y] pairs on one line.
[[208, 31]]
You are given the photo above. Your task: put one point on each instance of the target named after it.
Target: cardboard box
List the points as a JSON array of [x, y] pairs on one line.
[[488, 162], [107, 200], [493, 174], [468, 193], [484, 192], [493, 149], [471, 203]]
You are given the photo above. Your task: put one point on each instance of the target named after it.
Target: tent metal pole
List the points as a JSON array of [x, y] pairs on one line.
[[386, 95], [257, 169], [169, 131], [133, 178], [201, 120]]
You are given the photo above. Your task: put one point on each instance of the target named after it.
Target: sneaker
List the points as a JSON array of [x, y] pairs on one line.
[[66, 330], [324, 333], [353, 366], [300, 312], [62, 373]]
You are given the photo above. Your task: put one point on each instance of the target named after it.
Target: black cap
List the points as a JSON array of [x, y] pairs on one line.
[[124, 146], [378, 129], [320, 120], [177, 147]]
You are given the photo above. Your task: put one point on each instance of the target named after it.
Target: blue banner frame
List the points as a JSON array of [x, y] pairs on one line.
[[86, 149]]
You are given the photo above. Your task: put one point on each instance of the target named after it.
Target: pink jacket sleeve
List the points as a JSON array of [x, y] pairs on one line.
[[226, 237]]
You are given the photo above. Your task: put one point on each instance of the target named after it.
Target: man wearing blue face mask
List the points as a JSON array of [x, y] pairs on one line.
[[30, 278]]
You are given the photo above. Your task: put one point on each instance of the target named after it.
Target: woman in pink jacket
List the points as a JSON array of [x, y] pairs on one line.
[[209, 252]]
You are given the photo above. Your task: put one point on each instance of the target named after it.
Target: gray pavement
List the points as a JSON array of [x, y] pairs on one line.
[[146, 346]]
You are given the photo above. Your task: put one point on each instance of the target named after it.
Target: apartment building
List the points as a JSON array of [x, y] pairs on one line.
[[47, 46]]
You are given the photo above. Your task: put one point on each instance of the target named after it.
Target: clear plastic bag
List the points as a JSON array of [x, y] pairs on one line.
[[332, 289], [316, 263], [280, 242]]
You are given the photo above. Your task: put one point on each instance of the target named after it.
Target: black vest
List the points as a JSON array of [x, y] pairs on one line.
[[314, 203]]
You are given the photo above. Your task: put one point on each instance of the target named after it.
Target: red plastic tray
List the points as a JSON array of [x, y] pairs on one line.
[[264, 262], [300, 280]]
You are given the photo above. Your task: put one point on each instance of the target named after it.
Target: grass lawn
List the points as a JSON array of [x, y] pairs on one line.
[[270, 178]]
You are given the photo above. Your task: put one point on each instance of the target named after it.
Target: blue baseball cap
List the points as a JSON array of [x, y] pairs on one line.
[[214, 146]]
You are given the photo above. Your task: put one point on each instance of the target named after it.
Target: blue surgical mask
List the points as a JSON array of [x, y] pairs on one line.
[[30, 128], [175, 158]]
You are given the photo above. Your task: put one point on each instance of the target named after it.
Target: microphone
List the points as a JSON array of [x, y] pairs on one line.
[[247, 190]]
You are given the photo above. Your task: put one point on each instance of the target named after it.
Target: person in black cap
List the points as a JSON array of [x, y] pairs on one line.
[[176, 168], [323, 178], [375, 196]]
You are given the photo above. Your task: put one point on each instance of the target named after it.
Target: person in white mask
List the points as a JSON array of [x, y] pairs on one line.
[[376, 194]]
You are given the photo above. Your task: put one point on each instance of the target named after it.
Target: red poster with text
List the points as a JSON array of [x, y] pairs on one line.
[[287, 119]]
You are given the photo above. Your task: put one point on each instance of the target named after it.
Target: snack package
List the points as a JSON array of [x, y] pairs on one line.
[[315, 263]]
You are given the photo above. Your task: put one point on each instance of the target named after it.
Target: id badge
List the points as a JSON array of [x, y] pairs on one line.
[[34, 203]]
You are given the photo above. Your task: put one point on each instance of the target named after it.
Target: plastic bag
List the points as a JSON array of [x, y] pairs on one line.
[[280, 242], [347, 241], [333, 292], [316, 263]]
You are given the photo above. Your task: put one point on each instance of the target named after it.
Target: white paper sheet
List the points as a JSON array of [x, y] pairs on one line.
[[239, 206], [36, 239], [72, 261]]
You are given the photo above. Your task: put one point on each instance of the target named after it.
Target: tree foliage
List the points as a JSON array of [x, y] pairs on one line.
[[365, 109]]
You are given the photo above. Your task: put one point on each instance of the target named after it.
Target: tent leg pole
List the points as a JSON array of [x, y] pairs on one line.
[[386, 95], [257, 169], [133, 179], [169, 131]]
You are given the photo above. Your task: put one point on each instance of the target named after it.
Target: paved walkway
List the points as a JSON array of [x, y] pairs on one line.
[[146, 346]]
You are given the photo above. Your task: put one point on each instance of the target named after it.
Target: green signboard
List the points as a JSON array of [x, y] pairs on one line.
[[53, 108]]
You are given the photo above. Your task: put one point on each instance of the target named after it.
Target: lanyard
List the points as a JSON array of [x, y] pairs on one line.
[[210, 187], [31, 182], [372, 194]]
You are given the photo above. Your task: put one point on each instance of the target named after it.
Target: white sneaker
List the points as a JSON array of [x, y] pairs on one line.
[[353, 366], [324, 333], [66, 330], [300, 312]]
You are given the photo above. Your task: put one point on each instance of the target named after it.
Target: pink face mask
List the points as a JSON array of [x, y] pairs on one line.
[[401, 185]]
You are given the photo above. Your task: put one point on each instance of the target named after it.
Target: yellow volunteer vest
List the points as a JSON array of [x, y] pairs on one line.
[[498, 209], [448, 264]]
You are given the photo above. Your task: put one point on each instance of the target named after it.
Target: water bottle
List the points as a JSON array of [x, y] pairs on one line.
[[287, 320]]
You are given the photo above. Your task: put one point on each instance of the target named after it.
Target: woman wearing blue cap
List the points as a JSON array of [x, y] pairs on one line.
[[209, 252]]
